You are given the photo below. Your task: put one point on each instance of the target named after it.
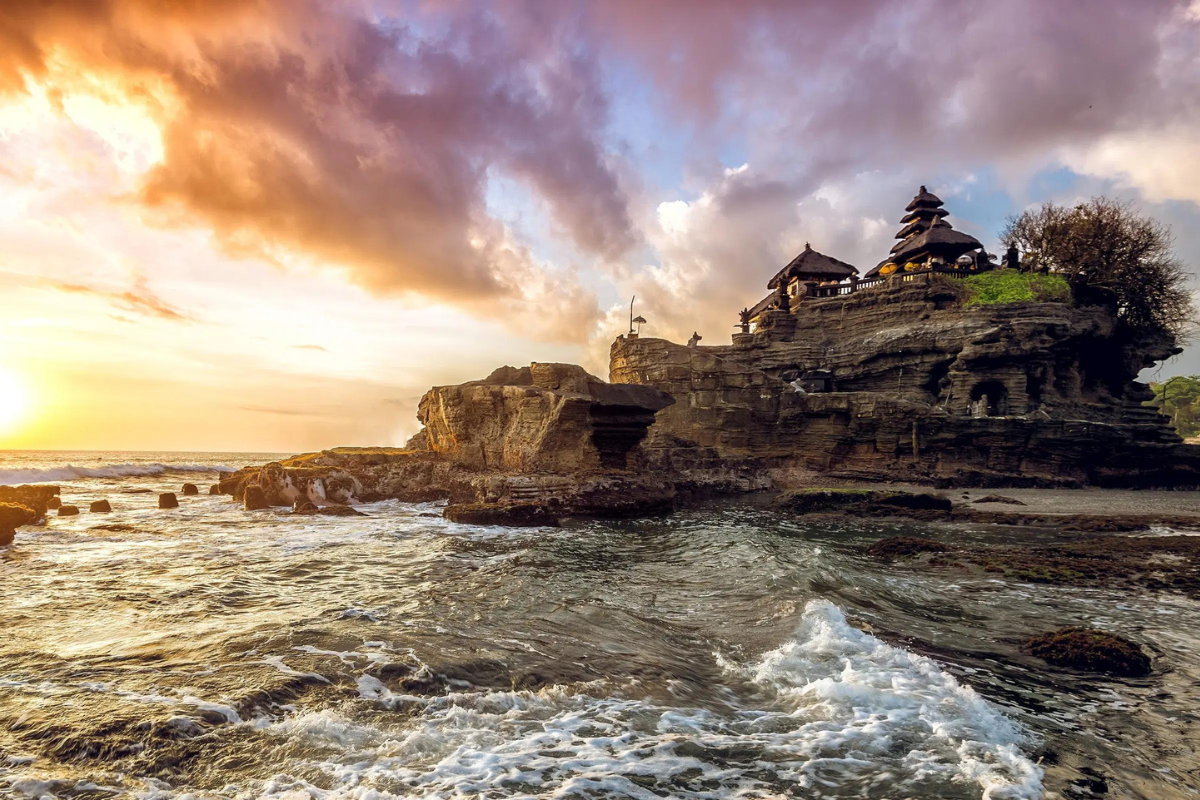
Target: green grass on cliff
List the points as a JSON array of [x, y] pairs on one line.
[[1011, 286]]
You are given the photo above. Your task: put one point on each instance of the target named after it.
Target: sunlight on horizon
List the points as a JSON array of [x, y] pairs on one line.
[[14, 400]]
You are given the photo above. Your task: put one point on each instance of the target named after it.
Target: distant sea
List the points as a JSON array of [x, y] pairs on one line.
[[720, 652]]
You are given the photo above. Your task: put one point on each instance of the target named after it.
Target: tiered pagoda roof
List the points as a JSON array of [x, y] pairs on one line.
[[926, 234]]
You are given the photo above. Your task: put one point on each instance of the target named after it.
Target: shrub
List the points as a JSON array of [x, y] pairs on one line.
[[1011, 286]]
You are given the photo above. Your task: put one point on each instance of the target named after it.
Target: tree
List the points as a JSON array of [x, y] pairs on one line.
[[1179, 399], [1114, 247]]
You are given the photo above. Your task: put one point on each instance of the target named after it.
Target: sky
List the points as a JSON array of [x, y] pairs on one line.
[[271, 225]]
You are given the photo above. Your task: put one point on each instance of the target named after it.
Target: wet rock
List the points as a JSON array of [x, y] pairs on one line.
[[100, 507], [39, 498], [254, 499], [339, 511], [214, 489], [1090, 650], [190, 490], [904, 547], [999, 498], [819, 501], [13, 516], [304, 506], [168, 500], [68, 511], [521, 515], [867, 502]]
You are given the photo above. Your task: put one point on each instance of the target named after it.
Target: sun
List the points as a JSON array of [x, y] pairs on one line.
[[13, 400]]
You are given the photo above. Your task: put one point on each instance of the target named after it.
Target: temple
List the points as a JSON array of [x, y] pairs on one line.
[[927, 244]]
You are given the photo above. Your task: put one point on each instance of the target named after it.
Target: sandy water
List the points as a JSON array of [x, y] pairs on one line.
[[210, 652]]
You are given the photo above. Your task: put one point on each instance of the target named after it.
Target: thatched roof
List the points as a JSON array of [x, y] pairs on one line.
[[924, 199], [923, 213], [916, 226], [938, 238], [764, 304], [874, 271], [812, 265]]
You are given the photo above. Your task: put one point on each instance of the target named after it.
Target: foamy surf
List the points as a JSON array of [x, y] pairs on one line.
[[836, 713], [71, 472]]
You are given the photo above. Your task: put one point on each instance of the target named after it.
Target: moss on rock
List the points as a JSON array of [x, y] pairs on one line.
[[1090, 650]]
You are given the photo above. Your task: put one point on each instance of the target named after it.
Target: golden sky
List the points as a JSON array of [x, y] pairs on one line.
[[270, 225]]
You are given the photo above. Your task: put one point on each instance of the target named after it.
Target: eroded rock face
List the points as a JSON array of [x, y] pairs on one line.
[[541, 418], [914, 378]]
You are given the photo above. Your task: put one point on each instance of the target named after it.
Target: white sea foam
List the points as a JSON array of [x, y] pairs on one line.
[[71, 472], [833, 712]]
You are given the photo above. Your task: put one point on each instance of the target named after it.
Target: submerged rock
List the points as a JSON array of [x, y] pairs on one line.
[[168, 500], [304, 506], [100, 507], [999, 498], [190, 490], [1090, 650], [904, 547], [68, 511], [13, 516], [254, 499], [339, 511], [521, 515], [866, 502]]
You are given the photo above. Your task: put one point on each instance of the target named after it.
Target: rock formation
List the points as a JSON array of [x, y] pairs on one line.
[[168, 500], [917, 387], [68, 511], [37, 498], [902, 380], [13, 516], [190, 490], [100, 507]]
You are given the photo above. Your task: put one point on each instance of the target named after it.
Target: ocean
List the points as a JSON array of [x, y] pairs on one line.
[[717, 652]]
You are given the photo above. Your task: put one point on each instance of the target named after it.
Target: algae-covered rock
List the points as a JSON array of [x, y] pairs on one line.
[[1090, 650], [818, 501], [523, 515], [904, 547]]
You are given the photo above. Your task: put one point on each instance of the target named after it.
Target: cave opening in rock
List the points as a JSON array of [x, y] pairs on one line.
[[989, 399]]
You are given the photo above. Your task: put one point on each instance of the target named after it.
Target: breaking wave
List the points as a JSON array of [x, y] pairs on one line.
[[71, 472], [834, 712]]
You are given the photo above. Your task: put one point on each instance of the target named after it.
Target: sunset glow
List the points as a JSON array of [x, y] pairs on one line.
[[13, 401], [274, 225]]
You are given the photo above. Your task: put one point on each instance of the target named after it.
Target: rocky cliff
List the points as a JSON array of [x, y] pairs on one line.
[[900, 382], [913, 384]]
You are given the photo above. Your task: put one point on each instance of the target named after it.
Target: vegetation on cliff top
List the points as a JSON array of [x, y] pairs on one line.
[[1115, 248], [1012, 286]]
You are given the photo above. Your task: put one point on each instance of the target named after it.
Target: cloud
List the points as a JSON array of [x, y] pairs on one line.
[[137, 299], [310, 347], [316, 129]]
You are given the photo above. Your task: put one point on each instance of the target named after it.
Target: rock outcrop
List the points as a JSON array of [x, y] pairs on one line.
[[168, 500], [68, 511], [900, 381], [13, 516], [190, 490], [100, 507], [36, 497], [916, 387]]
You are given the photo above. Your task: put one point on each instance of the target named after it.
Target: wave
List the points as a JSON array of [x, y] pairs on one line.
[[70, 472], [834, 712]]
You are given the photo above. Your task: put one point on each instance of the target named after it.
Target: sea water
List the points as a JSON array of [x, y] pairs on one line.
[[725, 651]]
